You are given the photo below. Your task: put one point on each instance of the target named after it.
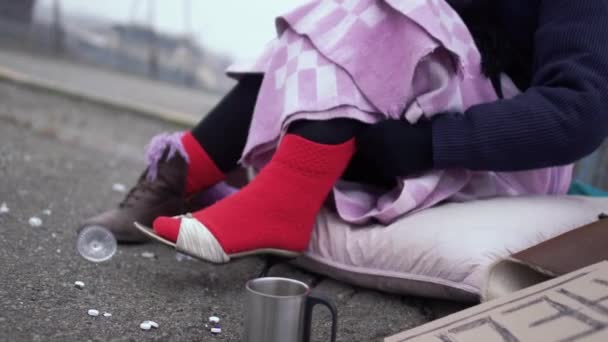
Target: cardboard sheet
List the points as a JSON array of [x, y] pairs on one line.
[[573, 307]]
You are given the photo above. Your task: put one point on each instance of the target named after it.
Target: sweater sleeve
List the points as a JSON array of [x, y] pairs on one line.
[[562, 117]]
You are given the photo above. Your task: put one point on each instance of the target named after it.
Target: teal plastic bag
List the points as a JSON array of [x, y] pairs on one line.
[[583, 189]]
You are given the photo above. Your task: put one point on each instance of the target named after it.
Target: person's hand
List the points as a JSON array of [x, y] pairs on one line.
[[397, 148]]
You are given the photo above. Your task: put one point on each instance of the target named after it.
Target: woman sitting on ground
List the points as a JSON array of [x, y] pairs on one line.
[[394, 105]]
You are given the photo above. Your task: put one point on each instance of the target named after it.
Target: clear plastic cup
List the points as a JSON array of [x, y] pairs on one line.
[[96, 244]]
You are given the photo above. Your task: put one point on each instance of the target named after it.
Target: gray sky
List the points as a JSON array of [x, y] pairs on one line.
[[239, 28]]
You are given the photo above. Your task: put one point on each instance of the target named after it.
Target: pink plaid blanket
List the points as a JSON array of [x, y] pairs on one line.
[[376, 59]]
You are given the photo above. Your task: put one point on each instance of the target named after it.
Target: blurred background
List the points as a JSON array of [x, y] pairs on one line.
[[161, 57], [84, 85], [184, 42]]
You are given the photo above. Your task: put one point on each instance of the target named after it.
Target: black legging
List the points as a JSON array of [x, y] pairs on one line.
[[223, 132]]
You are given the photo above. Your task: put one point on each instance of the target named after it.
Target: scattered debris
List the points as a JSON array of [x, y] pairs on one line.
[[215, 325], [93, 312], [79, 284], [152, 324], [118, 187], [47, 212], [145, 325], [58, 250], [107, 314], [148, 255], [181, 257], [35, 221], [3, 208]]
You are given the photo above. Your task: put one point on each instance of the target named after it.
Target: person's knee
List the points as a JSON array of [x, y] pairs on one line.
[[333, 131]]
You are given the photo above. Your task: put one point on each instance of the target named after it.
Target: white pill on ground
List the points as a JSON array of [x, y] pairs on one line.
[[107, 314], [152, 324], [118, 187], [93, 312], [214, 319], [79, 284], [216, 330], [148, 255], [145, 326], [3, 208], [35, 221]]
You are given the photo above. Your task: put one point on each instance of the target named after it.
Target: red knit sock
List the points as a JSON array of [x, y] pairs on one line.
[[202, 171], [278, 208]]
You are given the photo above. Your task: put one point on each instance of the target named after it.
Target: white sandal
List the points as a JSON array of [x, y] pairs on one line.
[[197, 241]]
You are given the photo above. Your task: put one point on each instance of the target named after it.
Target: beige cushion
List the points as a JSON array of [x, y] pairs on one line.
[[445, 251]]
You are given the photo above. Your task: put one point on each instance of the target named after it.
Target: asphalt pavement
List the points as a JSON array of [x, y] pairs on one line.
[[63, 155], [161, 99]]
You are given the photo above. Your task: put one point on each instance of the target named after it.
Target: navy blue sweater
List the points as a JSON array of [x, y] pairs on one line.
[[563, 113]]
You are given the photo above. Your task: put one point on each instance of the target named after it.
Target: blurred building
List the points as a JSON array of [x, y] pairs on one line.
[[15, 19], [133, 48], [17, 10], [139, 50]]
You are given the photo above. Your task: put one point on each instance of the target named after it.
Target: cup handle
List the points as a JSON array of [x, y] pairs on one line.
[[311, 301]]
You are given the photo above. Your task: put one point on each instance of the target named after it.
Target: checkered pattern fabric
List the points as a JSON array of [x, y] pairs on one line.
[[376, 59], [304, 77]]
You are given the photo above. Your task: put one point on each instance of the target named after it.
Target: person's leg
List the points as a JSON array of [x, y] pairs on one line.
[[223, 132], [182, 164], [277, 209], [215, 145], [330, 132]]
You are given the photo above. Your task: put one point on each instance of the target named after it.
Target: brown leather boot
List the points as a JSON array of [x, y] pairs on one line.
[[148, 199]]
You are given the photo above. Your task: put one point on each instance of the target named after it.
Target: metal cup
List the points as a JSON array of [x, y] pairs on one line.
[[280, 310]]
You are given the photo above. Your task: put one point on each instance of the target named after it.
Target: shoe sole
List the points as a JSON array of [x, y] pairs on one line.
[[262, 251]]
